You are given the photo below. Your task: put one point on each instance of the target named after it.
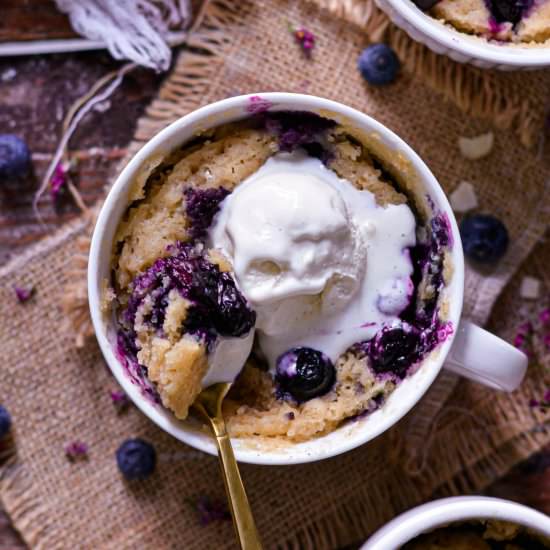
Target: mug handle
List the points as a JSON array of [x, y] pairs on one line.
[[485, 358]]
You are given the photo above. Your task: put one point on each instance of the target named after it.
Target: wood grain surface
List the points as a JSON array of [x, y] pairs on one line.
[[35, 93], [32, 20]]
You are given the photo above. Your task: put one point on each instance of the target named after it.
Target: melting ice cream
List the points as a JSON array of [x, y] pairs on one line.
[[321, 263]]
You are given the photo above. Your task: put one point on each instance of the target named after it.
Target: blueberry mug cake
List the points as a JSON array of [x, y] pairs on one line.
[[480, 535], [515, 21], [281, 252]]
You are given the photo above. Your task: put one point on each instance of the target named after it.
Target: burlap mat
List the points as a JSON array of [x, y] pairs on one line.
[[58, 393]]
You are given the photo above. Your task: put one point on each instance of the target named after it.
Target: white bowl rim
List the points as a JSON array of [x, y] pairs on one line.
[[243, 452], [437, 513], [512, 55]]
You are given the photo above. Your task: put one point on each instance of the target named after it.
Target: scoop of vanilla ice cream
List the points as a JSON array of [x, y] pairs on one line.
[[295, 249], [321, 263]]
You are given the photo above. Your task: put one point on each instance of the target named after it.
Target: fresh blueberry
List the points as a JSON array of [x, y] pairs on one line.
[[484, 237], [15, 157], [508, 10], [425, 4], [394, 350], [305, 373], [378, 64], [136, 459], [5, 422]]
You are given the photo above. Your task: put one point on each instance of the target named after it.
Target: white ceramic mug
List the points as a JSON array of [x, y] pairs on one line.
[[439, 513], [459, 46], [470, 350]]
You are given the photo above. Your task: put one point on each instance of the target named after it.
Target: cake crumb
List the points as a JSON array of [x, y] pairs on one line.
[[108, 295]]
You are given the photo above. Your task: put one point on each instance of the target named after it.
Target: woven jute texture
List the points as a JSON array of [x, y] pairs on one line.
[[458, 439]]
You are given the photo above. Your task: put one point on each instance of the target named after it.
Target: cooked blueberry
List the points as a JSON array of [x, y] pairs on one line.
[[425, 4], [508, 10], [484, 238], [221, 304], [394, 350], [5, 422], [378, 64], [316, 150], [217, 306], [201, 205], [296, 129], [233, 316], [136, 459], [126, 351], [15, 157], [305, 373], [441, 229]]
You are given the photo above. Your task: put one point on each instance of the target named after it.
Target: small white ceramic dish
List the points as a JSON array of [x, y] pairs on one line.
[[439, 513], [459, 46], [476, 353]]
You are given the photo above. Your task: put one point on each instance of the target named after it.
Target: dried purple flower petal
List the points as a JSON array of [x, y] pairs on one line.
[[118, 396], [76, 450], [23, 294], [210, 510], [544, 316], [519, 341], [120, 400], [304, 37], [542, 404], [522, 339], [59, 180]]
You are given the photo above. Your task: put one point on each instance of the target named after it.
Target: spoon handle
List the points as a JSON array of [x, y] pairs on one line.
[[248, 536]]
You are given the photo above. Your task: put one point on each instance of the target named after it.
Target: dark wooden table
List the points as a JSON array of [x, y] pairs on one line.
[[35, 93]]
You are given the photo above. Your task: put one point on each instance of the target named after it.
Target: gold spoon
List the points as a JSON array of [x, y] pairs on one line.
[[209, 405]]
